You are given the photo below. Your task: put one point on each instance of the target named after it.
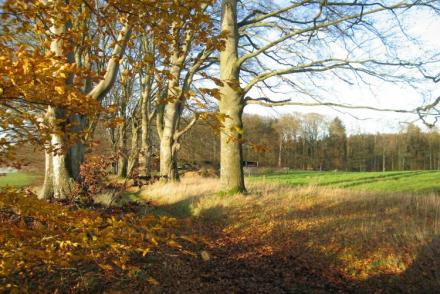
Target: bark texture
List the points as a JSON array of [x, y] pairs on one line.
[[47, 190], [63, 165], [133, 158], [57, 182], [171, 117], [146, 117], [231, 104], [122, 150]]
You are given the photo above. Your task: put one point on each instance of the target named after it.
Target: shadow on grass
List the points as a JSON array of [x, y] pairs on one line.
[[427, 266], [184, 209], [179, 209], [266, 249], [383, 229], [422, 276]]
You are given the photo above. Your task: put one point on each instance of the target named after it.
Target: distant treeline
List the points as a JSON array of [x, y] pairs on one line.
[[315, 142]]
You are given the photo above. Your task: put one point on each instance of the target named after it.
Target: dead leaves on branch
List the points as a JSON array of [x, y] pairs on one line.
[[32, 79]]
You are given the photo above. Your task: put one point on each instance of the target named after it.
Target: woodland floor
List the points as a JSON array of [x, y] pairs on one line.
[[275, 239]]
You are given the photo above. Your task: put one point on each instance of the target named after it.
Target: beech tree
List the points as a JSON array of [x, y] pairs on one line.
[[148, 97], [191, 49], [32, 77], [80, 67], [62, 168], [49, 71], [299, 34]]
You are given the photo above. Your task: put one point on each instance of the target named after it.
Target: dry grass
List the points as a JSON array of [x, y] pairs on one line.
[[362, 235], [188, 188]]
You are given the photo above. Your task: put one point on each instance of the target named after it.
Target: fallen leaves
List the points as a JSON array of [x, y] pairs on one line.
[[43, 243], [205, 255]]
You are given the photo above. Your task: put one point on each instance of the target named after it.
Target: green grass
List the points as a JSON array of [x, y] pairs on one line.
[[400, 181], [17, 179]]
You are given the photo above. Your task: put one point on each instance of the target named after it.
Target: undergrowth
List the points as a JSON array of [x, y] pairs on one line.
[[54, 247]]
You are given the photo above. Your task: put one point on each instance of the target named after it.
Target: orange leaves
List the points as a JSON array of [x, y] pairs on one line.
[[26, 67], [93, 171], [37, 238], [145, 251], [30, 80], [40, 79], [105, 267], [174, 244], [52, 52], [32, 77], [153, 281], [60, 90], [215, 92]]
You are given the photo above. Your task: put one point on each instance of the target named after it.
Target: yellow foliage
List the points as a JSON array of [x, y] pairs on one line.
[[52, 241], [36, 64]]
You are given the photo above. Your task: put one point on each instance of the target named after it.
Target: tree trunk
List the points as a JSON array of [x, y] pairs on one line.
[[170, 119], [168, 164], [76, 153], [57, 180], [122, 150], [47, 189], [114, 146], [74, 159], [63, 166], [231, 104], [62, 181], [280, 159], [231, 158], [133, 158], [145, 151]]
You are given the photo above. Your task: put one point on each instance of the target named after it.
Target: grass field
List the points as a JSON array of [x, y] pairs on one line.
[[18, 179], [401, 181]]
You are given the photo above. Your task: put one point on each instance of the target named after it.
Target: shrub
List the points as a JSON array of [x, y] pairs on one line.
[[94, 172]]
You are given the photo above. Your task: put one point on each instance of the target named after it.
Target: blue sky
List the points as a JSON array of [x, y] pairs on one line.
[[420, 24]]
